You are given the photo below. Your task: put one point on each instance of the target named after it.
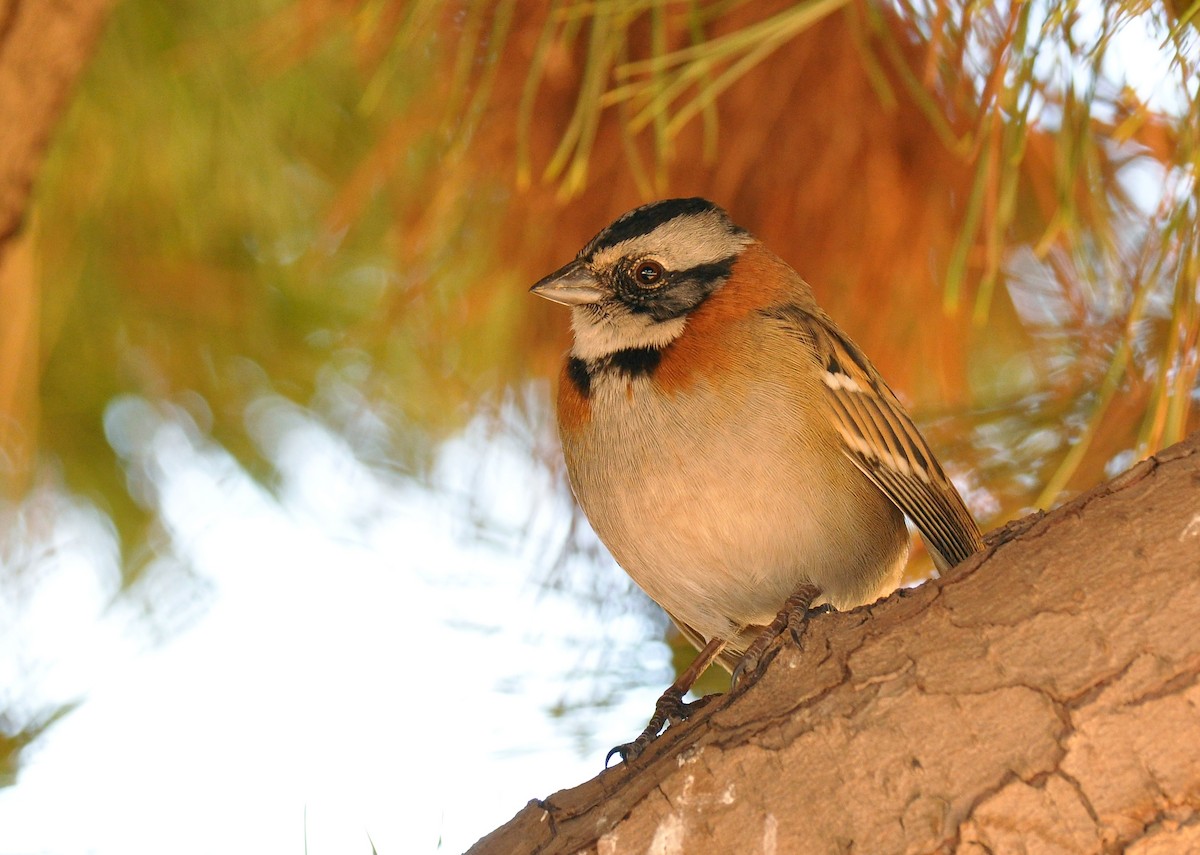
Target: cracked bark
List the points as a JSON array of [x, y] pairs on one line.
[[1043, 697]]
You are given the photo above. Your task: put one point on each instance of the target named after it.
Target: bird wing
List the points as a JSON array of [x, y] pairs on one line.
[[880, 438]]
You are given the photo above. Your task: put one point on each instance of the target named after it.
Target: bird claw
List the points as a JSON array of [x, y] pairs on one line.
[[794, 618], [628, 752], [746, 668], [670, 709], [798, 622]]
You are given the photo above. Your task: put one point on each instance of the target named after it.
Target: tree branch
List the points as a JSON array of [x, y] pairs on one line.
[[1045, 696]]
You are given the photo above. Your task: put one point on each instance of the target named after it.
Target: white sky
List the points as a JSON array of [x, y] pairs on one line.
[[347, 684]]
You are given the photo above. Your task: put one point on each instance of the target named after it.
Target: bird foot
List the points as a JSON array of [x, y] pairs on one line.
[[670, 709], [793, 618]]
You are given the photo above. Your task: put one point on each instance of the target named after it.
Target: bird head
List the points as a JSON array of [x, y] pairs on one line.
[[633, 284]]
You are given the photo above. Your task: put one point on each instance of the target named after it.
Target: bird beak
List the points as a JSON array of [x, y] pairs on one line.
[[571, 285]]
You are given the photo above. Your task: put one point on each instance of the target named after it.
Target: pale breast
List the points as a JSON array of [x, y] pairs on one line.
[[720, 505]]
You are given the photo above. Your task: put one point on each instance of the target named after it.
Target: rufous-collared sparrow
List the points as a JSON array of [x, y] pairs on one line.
[[736, 452]]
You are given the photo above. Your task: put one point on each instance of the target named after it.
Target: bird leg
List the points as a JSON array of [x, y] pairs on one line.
[[670, 707], [793, 617]]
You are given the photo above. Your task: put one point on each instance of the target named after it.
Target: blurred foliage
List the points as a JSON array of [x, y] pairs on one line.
[[340, 201], [1069, 222], [201, 241], [16, 737], [319, 199]]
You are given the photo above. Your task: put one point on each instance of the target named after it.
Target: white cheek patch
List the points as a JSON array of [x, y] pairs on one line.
[[600, 335]]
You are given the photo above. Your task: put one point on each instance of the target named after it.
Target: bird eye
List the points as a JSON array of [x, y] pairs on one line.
[[648, 272]]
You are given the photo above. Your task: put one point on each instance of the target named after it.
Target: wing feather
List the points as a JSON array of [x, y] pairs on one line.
[[880, 438]]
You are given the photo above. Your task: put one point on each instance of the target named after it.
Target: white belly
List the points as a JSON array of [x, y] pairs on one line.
[[718, 515]]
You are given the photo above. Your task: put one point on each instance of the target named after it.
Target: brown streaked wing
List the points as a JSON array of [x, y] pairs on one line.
[[878, 435]]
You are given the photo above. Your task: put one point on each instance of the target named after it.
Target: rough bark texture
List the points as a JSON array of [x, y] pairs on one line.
[[1044, 697]]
